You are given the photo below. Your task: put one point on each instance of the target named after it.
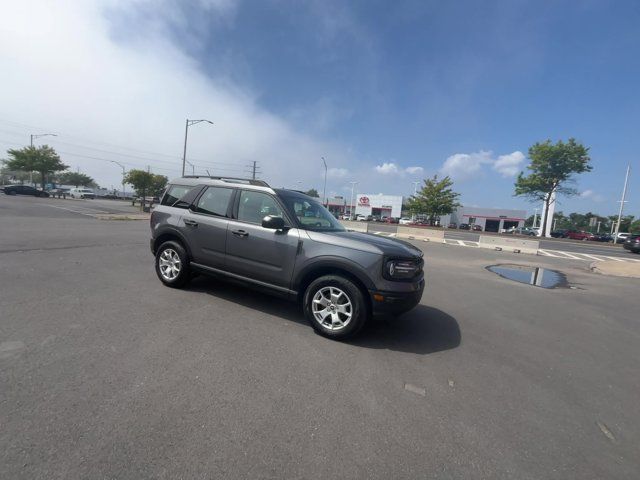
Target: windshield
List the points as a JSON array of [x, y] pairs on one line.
[[309, 213]]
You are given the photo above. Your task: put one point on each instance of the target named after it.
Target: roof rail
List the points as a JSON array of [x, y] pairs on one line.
[[248, 181]]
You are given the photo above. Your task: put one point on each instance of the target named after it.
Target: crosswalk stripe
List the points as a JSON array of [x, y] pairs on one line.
[[593, 257], [548, 254]]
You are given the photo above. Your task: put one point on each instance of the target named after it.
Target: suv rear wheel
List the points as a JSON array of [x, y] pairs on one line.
[[172, 264], [335, 307]]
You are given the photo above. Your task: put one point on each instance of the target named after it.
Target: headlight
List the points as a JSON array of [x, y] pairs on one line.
[[402, 269]]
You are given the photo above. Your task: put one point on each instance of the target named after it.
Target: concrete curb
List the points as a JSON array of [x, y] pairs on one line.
[[616, 269]]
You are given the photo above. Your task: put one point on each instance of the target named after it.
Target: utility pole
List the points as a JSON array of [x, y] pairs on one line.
[[123, 175], [535, 218], [32, 136], [415, 192], [353, 184], [193, 167], [324, 190], [253, 171], [622, 202], [187, 124]]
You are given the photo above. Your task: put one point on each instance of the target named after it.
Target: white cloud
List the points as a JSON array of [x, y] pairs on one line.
[[75, 74], [591, 195], [389, 168], [509, 165], [414, 170], [466, 166], [392, 168], [337, 172]]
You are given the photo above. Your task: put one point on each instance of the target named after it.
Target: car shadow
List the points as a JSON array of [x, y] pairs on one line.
[[423, 330]]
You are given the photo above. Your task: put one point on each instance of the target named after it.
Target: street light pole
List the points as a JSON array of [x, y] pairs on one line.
[[32, 136], [353, 184], [123, 174], [324, 191], [187, 124], [622, 202]]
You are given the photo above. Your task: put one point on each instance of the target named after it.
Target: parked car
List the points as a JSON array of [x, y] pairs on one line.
[[602, 237], [82, 192], [452, 225], [24, 190], [464, 226], [632, 243], [559, 233], [622, 237], [579, 235], [248, 232], [392, 220], [363, 218], [404, 221], [476, 228]]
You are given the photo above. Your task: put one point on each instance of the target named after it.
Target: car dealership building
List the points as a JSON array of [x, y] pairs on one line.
[[490, 219], [367, 204]]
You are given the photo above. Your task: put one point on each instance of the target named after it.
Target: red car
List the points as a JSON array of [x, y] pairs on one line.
[[579, 235]]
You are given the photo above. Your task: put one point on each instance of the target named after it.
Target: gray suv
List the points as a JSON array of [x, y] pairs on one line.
[[287, 243]]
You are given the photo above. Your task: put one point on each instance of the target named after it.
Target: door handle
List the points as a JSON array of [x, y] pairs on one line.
[[240, 233], [191, 223]]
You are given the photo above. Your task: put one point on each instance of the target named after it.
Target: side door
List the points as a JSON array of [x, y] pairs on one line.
[[205, 226], [258, 253]]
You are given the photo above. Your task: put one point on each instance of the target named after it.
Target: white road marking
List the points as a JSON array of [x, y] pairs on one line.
[[548, 254], [87, 211], [593, 257], [568, 255]]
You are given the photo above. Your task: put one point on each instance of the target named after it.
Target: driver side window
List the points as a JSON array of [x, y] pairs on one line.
[[254, 206]]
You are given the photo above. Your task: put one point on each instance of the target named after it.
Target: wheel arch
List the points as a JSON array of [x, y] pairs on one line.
[[333, 266], [168, 235]]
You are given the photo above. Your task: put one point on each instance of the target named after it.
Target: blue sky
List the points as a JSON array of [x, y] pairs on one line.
[[381, 87]]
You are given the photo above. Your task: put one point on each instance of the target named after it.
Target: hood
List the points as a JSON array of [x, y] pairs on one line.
[[367, 242]]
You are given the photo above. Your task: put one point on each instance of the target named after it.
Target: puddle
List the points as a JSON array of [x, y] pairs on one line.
[[538, 277]]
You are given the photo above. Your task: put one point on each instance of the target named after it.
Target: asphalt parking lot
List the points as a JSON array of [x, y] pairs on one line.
[[106, 373]]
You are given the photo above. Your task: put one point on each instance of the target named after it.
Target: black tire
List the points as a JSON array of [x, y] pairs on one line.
[[184, 274], [12, 192], [359, 309]]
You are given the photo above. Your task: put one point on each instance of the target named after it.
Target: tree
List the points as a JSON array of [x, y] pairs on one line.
[[435, 198], [552, 168], [76, 179], [146, 183], [43, 160], [313, 193]]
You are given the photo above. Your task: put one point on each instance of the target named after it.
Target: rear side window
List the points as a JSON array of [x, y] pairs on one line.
[[214, 201], [175, 193]]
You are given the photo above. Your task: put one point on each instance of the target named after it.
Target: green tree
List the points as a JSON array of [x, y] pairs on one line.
[[145, 183], [43, 160], [312, 192], [76, 179], [552, 169], [435, 198]]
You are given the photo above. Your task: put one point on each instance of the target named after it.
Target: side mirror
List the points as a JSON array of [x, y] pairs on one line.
[[273, 222]]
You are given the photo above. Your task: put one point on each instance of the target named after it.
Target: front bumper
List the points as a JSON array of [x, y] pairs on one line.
[[633, 247], [395, 303]]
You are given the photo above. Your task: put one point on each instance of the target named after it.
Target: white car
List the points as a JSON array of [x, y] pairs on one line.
[[404, 221], [362, 218], [82, 193]]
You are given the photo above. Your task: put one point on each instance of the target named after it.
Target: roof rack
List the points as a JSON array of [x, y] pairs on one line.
[[248, 181]]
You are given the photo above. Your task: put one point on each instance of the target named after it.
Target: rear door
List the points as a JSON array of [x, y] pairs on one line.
[[205, 226], [258, 253]]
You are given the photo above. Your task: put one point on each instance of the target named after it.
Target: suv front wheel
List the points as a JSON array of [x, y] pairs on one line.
[[172, 264], [335, 307]]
